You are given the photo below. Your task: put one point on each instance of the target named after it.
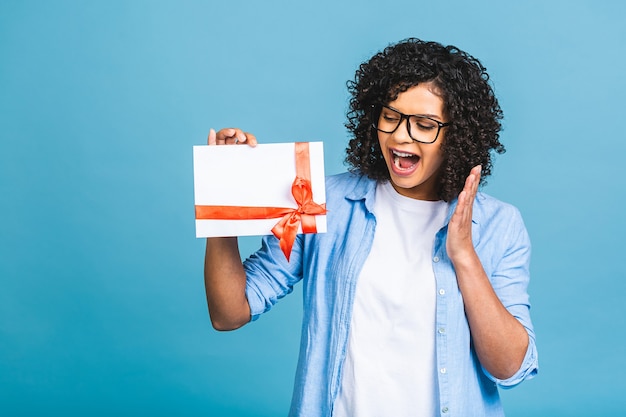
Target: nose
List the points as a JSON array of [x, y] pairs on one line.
[[401, 134]]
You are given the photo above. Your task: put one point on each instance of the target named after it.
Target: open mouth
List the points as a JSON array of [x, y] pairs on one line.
[[404, 161]]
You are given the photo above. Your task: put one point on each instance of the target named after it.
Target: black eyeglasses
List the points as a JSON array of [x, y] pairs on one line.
[[421, 128]]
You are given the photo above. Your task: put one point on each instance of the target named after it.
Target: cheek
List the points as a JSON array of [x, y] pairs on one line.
[[436, 154], [436, 161]]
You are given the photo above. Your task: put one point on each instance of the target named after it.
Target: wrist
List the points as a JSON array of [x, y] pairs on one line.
[[465, 259]]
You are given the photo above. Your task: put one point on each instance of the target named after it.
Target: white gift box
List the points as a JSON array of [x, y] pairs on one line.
[[232, 179]]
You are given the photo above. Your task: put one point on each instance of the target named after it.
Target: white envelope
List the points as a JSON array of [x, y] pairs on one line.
[[241, 176]]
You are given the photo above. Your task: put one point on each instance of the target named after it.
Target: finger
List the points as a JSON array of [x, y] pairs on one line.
[[242, 138], [223, 135], [472, 181], [465, 200], [250, 139], [239, 137], [212, 137], [461, 207], [469, 193], [476, 171], [234, 136], [475, 174]]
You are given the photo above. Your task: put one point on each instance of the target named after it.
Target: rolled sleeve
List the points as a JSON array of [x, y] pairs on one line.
[[510, 279], [269, 277], [527, 370]]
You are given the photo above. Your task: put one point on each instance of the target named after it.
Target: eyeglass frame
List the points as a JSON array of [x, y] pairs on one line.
[[403, 116]]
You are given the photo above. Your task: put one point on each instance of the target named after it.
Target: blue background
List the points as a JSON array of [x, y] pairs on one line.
[[102, 308]]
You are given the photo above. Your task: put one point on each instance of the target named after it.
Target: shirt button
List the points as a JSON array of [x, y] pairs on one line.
[[443, 370], [436, 259], [441, 330], [442, 291], [444, 410]]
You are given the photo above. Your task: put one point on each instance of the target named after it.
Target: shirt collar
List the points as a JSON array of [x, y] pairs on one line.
[[365, 190]]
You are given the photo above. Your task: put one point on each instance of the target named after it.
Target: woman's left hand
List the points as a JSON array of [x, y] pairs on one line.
[[499, 338], [459, 242]]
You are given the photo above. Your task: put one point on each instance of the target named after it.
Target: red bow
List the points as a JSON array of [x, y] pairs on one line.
[[287, 227]]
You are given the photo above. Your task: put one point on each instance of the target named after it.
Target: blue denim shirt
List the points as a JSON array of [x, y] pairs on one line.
[[328, 264]]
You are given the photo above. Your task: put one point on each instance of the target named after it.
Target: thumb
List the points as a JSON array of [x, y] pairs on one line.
[[212, 137]]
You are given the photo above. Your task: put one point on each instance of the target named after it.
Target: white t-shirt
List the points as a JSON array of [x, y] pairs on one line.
[[389, 368]]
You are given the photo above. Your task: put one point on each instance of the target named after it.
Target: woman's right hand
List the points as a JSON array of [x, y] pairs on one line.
[[231, 136], [224, 276]]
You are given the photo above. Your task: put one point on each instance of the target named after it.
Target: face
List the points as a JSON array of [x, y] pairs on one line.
[[414, 167]]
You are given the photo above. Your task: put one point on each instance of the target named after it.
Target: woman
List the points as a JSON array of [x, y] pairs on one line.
[[415, 300]]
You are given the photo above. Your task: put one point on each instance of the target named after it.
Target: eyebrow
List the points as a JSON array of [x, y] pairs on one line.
[[432, 116]]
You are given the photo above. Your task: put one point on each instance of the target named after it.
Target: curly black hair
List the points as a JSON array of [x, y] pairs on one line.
[[470, 106]]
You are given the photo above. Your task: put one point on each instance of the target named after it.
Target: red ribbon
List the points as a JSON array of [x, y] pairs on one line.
[[290, 219]]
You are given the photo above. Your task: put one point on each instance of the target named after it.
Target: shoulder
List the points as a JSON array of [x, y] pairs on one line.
[[349, 185], [345, 178], [499, 217], [486, 207]]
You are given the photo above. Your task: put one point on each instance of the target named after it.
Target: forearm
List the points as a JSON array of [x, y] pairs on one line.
[[499, 339], [225, 284]]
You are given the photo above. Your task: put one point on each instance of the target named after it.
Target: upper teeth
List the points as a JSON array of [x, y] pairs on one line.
[[402, 154]]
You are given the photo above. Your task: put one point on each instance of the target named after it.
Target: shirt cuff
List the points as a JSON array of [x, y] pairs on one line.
[[528, 369]]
